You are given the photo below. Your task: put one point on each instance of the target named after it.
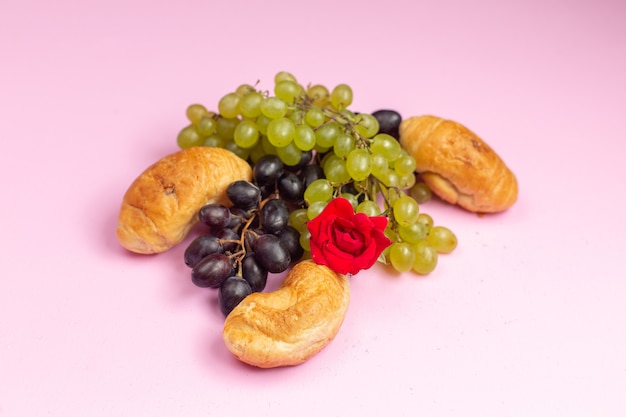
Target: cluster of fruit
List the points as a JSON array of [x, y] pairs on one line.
[[306, 147]]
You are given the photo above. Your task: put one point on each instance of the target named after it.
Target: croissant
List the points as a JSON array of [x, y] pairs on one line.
[[160, 207], [292, 324], [457, 165]]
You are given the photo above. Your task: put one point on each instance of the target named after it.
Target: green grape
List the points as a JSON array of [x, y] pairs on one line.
[[402, 256], [250, 104], [244, 89], [280, 132], [421, 192], [273, 107], [284, 75], [228, 106], [335, 170], [352, 199], [188, 137], [406, 181], [257, 152], [287, 90], [359, 164], [315, 209], [268, 148], [341, 97], [379, 164], [405, 210], [214, 141], [442, 239], [318, 190], [319, 94], [240, 152], [327, 134], [298, 219], [413, 233], [344, 144], [289, 154], [195, 113], [296, 116], [426, 220], [425, 258], [366, 125], [369, 208], [206, 126], [246, 134], [226, 127], [305, 240], [405, 164], [389, 178], [315, 117], [386, 145], [261, 123], [304, 137]]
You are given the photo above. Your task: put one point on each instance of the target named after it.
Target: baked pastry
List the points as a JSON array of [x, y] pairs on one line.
[[161, 206], [290, 325], [457, 165]]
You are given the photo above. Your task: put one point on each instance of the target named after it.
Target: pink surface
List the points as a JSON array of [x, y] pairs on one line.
[[526, 318]]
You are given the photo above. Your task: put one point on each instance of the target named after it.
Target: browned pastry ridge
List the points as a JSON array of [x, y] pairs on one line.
[[290, 325], [457, 165], [160, 207]]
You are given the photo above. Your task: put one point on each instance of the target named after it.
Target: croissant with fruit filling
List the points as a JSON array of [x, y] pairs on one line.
[[161, 206], [457, 165], [292, 324]]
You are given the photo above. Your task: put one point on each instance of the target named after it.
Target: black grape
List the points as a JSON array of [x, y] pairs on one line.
[[271, 253], [201, 247], [231, 236], [267, 169], [216, 216], [274, 215], [232, 291], [290, 237], [310, 173], [211, 271], [388, 122], [290, 187], [253, 272], [243, 194]]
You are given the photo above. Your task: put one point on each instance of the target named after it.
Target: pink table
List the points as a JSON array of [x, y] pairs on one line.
[[526, 318]]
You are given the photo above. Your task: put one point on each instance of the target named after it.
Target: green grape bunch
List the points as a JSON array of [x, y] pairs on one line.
[[356, 156]]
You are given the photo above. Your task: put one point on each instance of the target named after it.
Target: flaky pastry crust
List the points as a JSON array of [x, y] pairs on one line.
[[290, 325], [160, 207], [457, 165]]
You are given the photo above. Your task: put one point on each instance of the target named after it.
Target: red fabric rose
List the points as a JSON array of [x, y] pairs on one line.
[[344, 241]]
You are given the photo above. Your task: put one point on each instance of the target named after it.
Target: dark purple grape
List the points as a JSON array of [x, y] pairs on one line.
[[310, 173], [290, 237], [229, 240], [290, 187], [237, 218], [232, 291], [267, 169], [267, 190], [271, 253], [243, 194], [211, 271], [253, 272], [216, 216], [201, 247], [251, 236], [274, 215], [388, 122]]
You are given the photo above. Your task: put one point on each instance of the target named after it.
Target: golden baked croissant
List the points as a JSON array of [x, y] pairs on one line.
[[161, 206], [457, 165], [290, 325]]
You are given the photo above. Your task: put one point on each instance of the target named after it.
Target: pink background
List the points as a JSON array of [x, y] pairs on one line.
[[526, 318]]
